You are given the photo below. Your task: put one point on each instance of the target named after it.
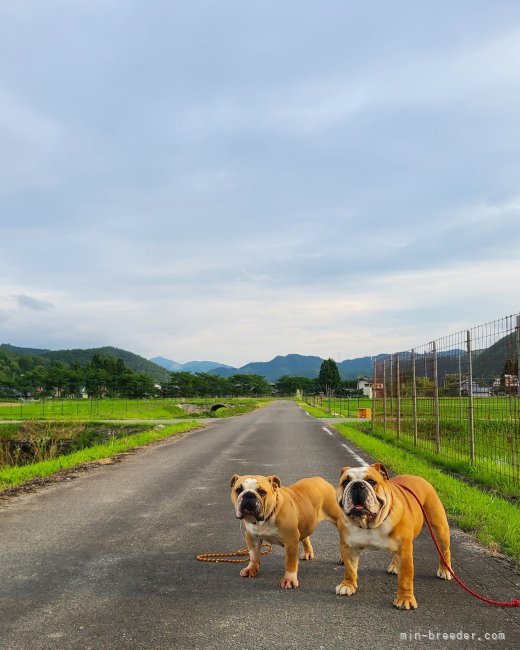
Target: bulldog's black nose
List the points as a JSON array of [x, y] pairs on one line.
[[249, 495], [357, 492]]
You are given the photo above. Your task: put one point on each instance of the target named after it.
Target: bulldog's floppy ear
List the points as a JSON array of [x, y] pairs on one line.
[[274, 481], [233, 480], [379, 467]]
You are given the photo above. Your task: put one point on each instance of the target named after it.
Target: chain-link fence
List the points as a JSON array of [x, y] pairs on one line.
[[457, 397]]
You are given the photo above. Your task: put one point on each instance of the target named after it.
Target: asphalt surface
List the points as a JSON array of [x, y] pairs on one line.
[[107, 559]]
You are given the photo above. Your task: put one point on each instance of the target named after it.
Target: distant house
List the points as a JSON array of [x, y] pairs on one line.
[[476, 390], [365, 386], [506, 383]]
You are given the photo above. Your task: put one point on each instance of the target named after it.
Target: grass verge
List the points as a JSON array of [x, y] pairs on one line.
[[315, 411], [494, 521], [13, 476]]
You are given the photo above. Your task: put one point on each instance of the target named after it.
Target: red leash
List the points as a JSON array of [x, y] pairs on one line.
[[498, 603]]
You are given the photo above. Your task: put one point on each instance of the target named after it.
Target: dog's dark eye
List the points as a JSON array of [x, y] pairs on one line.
[[261, 492], [345, 482], [371, 481], [239, 490]]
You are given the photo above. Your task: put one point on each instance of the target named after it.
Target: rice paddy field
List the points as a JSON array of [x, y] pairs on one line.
[[482, 436], [121, 409]]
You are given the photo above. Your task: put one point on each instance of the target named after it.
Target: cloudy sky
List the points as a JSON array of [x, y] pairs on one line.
[[229, 180]]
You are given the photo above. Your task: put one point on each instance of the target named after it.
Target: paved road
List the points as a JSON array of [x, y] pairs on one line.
[[107, 560]]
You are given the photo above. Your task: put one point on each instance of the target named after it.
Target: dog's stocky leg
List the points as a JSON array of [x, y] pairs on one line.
[[307, 553], [350, 558], [252, 569], [393, 567], [290, 578], [437, 516], [405, 598]]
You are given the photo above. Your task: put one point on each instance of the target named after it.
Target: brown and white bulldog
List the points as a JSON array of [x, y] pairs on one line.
[[380, 514], [283, 516]]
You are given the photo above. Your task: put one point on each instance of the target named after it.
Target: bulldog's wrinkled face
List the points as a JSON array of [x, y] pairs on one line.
[[253, 496], [362, 493]]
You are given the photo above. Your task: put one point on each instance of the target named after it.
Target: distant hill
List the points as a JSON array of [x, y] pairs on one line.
[[292, 364], [353, 368], [297, 365], [191, 366], [83, 357], [490, 362], [168, 364]]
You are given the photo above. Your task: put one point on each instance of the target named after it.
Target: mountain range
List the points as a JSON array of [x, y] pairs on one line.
[[488, 362], [291, 364], [191, 366]]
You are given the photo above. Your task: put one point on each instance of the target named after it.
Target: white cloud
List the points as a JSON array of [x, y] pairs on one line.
[[189, 181], [28, 302]]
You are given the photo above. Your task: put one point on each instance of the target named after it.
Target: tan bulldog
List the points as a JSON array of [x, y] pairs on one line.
[[380, 514], [283, 516]]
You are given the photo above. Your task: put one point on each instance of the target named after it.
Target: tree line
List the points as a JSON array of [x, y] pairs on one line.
[[103, 376], [106, 376]]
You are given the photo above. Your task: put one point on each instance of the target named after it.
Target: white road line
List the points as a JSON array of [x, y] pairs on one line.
[[355, 456], [329, 432]]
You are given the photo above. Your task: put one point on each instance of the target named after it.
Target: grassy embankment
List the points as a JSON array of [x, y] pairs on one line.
[[12, 476], [494, 521], [39, 447]]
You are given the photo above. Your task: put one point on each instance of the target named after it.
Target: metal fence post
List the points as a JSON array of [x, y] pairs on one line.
[[384, 395], [414, 400], [398, 393], [392, 386], [517, 342], [374, 373], [471, 430], [460, 388], [516, 468], [436, 400]]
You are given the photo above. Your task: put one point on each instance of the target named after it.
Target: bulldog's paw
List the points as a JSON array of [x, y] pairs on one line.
[[289, 581], [443, 573], [306, 555], [251, 570], [346, 589], [392, 568], [405, 602]]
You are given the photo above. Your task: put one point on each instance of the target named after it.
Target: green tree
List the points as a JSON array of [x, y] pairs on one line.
[[289, 384], [245, 385], [329, 378]]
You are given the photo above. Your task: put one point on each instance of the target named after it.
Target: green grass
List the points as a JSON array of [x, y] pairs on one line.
[[323, 411], [494, 521], [314, 410], [85, 409], [119, 409], [12, 476], [455, 458], [336, 406], [31, 441], [484, 408]]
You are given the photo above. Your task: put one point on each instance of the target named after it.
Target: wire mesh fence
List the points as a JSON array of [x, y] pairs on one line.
[[457, 397]]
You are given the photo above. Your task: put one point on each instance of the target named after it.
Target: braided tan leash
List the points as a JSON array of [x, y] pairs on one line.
[[225, 557]]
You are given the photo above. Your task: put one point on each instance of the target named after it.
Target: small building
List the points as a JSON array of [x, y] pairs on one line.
[[365, 386], [476, 390]]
